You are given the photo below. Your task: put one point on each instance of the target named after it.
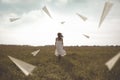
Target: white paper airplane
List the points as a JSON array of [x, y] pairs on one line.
[[46, 11], [110, 64], [62, 22], [108, 5], [34, 53], [13, 19], [25, 67], [86, 36], [82, 17]]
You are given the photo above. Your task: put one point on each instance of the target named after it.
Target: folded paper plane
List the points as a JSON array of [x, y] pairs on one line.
[[34, 53], [13, 19], [82, 17], [86, 36], [25, 67], [62, 22], [108, 5], [110, 64], [46, 11]]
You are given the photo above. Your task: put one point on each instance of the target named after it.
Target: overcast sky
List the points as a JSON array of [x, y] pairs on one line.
[[36, 28]]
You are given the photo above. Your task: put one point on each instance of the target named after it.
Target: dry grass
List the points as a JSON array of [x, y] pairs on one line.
[[80, 63]]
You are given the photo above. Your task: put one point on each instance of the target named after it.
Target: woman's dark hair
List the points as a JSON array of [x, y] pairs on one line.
[[60, 35]]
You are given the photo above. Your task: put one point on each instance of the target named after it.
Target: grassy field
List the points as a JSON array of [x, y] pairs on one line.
[[80, 63]]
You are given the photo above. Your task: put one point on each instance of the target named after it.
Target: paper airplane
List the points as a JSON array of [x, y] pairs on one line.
[[62, 22], [46, 11], [34, 53], [13, 19], [82, 17], [86, 36], [25, 67], [110, 64], [108, 5]]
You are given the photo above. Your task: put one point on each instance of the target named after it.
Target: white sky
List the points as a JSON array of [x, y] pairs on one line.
[[36, 28]]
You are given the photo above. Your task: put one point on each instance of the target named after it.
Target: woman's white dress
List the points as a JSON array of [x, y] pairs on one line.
[[59, 49]]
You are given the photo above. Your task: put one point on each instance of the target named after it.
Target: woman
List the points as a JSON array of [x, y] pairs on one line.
[[59, 46]]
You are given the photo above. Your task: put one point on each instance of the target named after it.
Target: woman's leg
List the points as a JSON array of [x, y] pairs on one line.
[[59, 57]]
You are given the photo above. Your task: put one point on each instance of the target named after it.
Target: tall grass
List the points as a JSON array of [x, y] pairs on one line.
[[80, 63]]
